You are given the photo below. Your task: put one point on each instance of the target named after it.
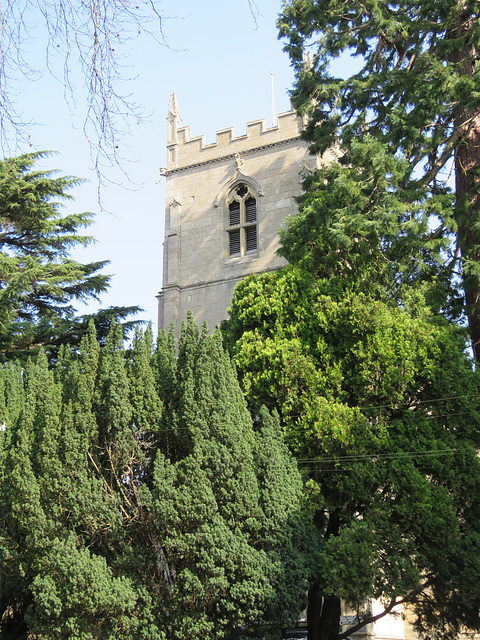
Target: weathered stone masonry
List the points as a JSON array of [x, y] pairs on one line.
[[201, 263]]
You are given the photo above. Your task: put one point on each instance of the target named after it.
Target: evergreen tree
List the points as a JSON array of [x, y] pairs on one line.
[[39, 281], [54, 585], [287, 535], [214, 549], [405, 122], [144, 399], [109, 530], [112, 408], [165, 371], [381, 408]]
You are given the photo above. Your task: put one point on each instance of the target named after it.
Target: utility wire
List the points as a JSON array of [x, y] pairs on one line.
[[377, 456]]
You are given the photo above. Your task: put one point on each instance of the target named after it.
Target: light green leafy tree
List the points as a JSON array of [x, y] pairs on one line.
[[381, 408]]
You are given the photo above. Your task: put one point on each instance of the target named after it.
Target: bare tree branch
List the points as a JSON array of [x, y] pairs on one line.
[[93, 36]]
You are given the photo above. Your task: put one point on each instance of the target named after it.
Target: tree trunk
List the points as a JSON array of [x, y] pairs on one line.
[[14, 628], [314, 612], [467, 185], [323, 612], [330, 619], [467, 164], [323, 615]]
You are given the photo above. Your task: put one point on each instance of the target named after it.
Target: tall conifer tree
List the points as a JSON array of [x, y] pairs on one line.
[[54, 584], [40, 283], [213, 545], [112, 528], [407, 122]]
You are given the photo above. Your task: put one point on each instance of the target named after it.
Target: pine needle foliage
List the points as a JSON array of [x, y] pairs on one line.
[[128, 512], [406, 125], [40, 283]]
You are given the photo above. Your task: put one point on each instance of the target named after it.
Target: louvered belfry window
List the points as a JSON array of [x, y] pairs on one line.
[[242, 222], [235, 245]]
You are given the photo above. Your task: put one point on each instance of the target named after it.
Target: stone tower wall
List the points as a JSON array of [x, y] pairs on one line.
[[199, 274]]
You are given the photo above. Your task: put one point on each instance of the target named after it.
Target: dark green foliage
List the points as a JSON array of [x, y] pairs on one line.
[[53, 332], [117, 523], [355, 229], [370, 382], [226, 561], [405, 191], [39, 281], [54, 582], [145, 402], [381, 408], [287, 538]]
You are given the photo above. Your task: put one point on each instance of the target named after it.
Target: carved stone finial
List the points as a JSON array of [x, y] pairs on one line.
[[174, 120], [306, 170], [173, 109], [238, 162]]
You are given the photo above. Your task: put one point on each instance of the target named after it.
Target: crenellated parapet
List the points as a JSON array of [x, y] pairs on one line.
[[225, 203], [185, 151]]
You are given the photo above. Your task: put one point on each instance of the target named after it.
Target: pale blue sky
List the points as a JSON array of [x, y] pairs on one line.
[[219, 64]]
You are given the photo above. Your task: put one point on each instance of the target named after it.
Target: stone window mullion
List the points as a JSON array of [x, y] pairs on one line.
[[242, 230]]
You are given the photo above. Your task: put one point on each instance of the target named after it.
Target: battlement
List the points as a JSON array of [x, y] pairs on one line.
[[183, 150], [204, 255]]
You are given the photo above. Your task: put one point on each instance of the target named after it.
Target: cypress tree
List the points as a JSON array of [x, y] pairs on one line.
[[109, 532], [166, 362], [57, 581], [215, 557], [113, 410], [165, 369], [144, 399]]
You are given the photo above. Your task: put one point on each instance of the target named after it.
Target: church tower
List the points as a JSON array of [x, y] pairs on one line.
[[225, 203]]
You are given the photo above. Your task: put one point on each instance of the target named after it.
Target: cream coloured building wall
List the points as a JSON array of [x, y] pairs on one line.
[[198, 272]]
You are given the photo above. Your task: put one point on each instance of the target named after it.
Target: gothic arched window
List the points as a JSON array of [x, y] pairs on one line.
[[242, 222]]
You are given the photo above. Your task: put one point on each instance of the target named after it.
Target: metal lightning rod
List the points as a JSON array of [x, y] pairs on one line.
[[273, 103]]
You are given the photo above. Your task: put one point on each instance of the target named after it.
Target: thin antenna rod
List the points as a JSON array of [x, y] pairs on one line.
[[273, 103]]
